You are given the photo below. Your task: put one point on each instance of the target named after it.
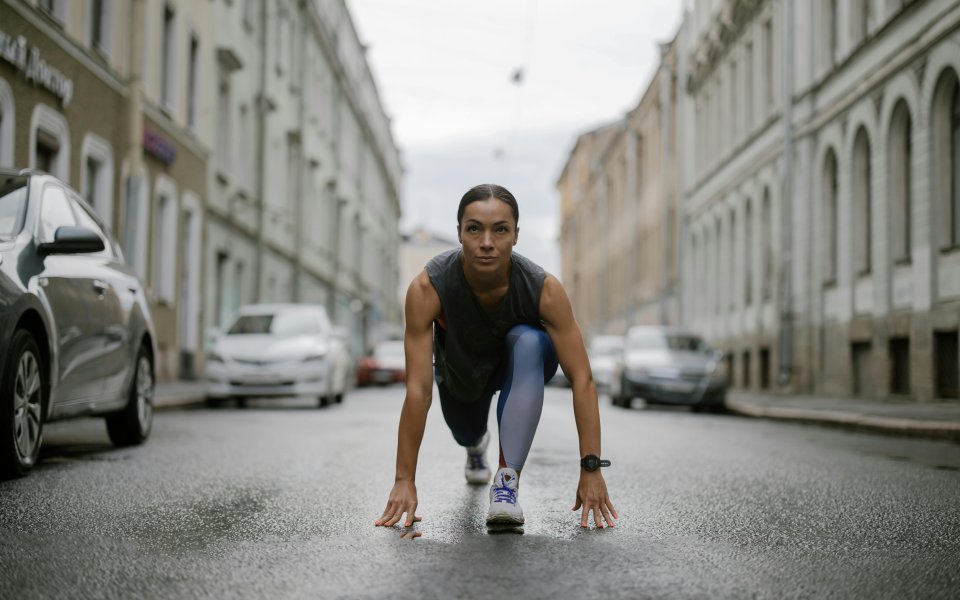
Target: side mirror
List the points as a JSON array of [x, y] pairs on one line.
[[72, 240]]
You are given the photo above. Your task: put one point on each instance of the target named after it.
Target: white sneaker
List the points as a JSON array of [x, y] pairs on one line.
[[504, 508], [477, 471]]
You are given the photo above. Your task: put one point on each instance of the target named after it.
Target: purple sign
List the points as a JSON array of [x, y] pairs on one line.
[[158, 147]]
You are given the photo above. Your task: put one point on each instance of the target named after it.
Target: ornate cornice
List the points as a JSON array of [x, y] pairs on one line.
[[726, 29]]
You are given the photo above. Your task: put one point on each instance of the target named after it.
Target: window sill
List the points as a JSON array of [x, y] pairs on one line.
[[903, 262]]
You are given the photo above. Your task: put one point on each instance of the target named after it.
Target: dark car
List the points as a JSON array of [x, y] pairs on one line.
[[76, 337], [664, 365]]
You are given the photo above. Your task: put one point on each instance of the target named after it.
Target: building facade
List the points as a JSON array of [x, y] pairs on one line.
[[244, 162], [822, 200], [305, 181], [817, 161], [619, 214], [98, 94]]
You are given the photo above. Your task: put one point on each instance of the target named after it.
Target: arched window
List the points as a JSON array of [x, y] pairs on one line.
[[733, 254], [766, 237], [900, 169], [955, 171], [748, 254], [861, 202], [945, 127], [830, 213]]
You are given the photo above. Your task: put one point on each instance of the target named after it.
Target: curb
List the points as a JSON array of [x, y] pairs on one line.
[[890, 425], [176, 402]]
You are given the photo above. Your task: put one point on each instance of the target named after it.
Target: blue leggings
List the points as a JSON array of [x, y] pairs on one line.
[[531, 362]]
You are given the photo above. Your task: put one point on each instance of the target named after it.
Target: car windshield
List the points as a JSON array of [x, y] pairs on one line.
[[393, 349], [281, 323], [658, 340], [13, 197]]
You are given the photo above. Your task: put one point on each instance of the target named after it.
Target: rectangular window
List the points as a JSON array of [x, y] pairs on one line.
[[223, 126], [734, 107], [945, 361], [764, 368], [167, 57], [832, 26], [97, 29], [91, 193], [748, 87], [900, 365], [164, 260], [45, 156], [219, 295], [862, 375], [192, 83], [768, 62], [746, 370]]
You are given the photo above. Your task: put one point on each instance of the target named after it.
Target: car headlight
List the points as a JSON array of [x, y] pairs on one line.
[[719, 373], [636, 373]]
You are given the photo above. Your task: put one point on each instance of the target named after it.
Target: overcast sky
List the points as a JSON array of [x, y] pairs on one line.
[[445, 72]]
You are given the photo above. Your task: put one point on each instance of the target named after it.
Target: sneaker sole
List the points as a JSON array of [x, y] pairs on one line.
[[504, 519], [504, 528]]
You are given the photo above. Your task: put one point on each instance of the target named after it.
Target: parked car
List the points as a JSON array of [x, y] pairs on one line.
[[386, 364], [76, 336], [274, 350], [670, 366], [604, 352]]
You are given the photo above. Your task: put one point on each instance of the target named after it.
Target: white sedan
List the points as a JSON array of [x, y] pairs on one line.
[[275, 350]]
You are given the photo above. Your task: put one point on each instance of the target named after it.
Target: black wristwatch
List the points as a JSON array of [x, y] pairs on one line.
[[592, 462]]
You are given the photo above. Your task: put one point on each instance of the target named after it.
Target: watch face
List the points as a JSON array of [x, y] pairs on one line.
[[590, 463]]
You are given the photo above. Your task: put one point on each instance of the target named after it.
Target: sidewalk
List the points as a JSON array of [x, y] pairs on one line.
[[177, 394], [940, 420]]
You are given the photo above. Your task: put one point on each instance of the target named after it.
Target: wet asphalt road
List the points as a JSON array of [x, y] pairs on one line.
[[279, 501]]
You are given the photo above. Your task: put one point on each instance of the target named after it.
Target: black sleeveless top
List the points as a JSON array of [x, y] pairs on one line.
[[468, 341]]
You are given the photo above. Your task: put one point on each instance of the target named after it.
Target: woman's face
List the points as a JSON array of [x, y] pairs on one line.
[[488, 234]]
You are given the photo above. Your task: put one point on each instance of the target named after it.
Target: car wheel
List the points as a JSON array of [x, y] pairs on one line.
[[322, 401], [338, 398], [21, 406], [212, 402], [131, 426], [241, 401]]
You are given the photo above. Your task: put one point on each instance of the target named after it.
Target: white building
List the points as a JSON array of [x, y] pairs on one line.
[[306, 176], [821, 230]]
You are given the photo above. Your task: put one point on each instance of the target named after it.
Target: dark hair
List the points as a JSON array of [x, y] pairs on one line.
[[485, 191]]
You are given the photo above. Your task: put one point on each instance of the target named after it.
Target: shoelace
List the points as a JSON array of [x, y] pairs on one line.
[[477, 461], [504, 494]]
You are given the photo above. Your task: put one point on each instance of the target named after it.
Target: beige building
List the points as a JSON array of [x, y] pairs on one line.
[[619, 223], [109, 97]]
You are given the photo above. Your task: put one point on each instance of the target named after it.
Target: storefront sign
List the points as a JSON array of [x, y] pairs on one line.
[[159, 147], [15, 51]]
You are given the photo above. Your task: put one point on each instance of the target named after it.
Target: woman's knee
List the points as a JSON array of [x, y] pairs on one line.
[[526, 339]]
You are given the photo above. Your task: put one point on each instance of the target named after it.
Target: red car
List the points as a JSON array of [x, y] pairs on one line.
[[385, 365]]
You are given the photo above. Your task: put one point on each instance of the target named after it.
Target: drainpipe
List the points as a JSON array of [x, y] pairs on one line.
[[262, 110], [298, 187], [786, 267], [134, 181], [682, 99], [633, 197], [666, 170]]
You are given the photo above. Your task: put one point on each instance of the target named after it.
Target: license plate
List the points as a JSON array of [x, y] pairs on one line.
[[681, 387]]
